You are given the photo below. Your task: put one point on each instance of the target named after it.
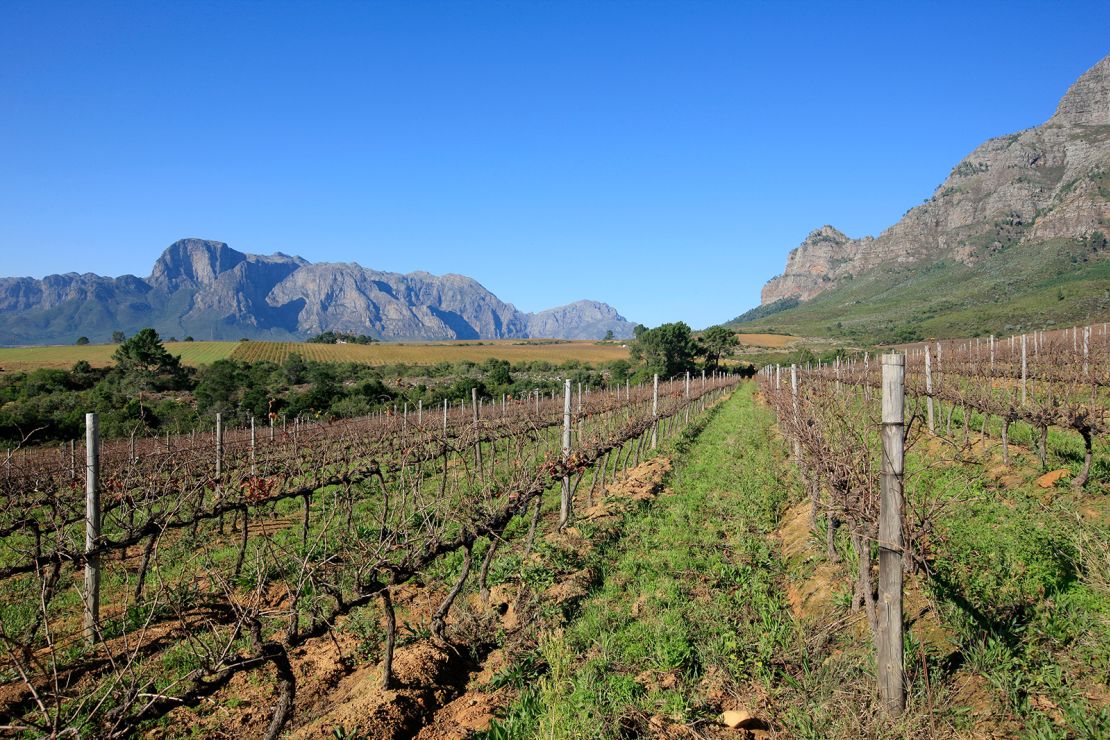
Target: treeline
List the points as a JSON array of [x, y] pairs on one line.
[[149, 391], [338, 337]]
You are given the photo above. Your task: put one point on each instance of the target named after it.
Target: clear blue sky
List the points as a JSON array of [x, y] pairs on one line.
[[663, 157]]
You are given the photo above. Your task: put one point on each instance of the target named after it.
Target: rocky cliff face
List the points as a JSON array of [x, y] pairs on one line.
[[1046, 182], [210, 291]]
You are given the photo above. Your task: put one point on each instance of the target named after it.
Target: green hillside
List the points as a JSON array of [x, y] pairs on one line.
[[1024, 286]]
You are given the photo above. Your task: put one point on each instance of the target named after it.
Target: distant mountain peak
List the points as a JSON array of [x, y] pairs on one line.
[[206, 289]]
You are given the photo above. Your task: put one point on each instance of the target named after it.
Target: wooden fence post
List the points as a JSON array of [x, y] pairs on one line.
[[477, 433], [654, 411], [254, 466], [1086, 351], [564, 501], [794, 399], [889, 659], [92, 527], [1023, 369], [219, 446], [929, 389]]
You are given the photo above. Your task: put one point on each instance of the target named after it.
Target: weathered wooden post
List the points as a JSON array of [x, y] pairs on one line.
[[929, 389], [1023, 369], [655, 410], [794, 400], [889, 659], [254, 467], [564, 501], [1086, 350], [866, 376], [477, 430], [219, 446], [992, 352], [420, 412], [686, 395], [92, 527]]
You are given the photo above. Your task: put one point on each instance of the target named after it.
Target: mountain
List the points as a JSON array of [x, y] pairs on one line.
[[578, 320], [1015, 236], [208, 290]]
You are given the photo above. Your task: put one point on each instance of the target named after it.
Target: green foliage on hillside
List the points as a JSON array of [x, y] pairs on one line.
[[1018, 288]]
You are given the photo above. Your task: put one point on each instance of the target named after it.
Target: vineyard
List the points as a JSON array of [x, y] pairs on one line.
[[389, 353], [157, 570], [922, 536], [981, 418]]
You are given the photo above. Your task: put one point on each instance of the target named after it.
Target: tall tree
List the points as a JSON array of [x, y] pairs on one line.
[[145, 362], [717, 342], [668, 349]]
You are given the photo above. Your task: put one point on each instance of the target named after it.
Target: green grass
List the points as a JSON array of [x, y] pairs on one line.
[[689, 604], [689, 615]]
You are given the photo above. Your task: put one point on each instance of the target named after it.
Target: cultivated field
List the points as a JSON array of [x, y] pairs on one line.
[[100, 355], [385, 353], [389, 353]]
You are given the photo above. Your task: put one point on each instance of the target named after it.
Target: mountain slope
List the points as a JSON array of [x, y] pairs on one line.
[[1024, 216], [210, 291]]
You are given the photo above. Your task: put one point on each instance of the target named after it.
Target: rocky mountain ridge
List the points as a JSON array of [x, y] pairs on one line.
[[1047, 182], [208, 290]]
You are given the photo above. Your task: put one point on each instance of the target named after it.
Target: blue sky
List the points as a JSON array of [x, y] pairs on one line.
[[663, 157]]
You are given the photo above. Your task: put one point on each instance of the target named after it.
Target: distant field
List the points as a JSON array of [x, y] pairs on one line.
[[767, 340], [100, 355], [385, 353]]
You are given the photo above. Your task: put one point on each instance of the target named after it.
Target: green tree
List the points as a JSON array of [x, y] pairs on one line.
[[118, 337], [619, 371], [610, 336], [82, 340], [717, 342], [497, 372], [145, 363], [668, 349]]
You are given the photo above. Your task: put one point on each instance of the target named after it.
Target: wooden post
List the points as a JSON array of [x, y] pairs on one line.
[[564, 501], [890, 658], [477, 434], [92, 527], [1086, 350], [219, 446], [992, 352], [254, 466], [420, 412], [1023, 369], [929, 389], [794, 399], [655, 410]]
